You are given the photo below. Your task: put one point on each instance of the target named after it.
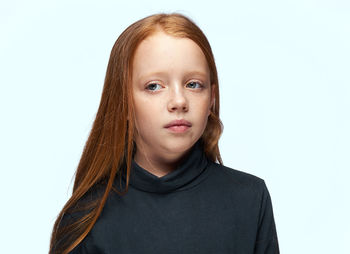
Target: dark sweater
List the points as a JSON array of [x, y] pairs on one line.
[[201, 207]]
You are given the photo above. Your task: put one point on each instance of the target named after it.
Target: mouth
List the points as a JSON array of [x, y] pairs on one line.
[[178, 126], [180, 122]]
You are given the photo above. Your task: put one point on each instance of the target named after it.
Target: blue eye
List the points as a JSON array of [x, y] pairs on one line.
[[152, 85], [193, 83]]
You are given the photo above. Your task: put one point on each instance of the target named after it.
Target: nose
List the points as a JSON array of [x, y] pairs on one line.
[[177, 99]]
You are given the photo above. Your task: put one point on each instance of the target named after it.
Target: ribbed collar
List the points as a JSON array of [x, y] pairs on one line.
[[191, 167]]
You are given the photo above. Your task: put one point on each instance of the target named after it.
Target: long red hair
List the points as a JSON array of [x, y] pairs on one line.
[[110, 144]]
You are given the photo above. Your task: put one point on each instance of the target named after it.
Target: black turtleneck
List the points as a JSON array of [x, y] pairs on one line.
[[200, 207], [190, 169]]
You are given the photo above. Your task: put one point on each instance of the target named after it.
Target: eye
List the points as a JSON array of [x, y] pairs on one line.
[[152, 86], [193, 84]]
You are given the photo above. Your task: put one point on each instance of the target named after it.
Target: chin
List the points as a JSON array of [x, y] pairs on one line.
[[179, 146]]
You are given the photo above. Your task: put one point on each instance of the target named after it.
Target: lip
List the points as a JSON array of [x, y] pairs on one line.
[[180, 122]]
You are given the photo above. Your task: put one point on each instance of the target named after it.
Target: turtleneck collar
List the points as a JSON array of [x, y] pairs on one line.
[[191, 167]]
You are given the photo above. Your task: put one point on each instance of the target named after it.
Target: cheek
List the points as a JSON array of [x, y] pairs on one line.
[[202, 107], [146, 114], [143, 116]]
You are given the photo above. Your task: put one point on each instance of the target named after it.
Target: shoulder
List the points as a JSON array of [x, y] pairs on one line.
[[236, 178], [251, 203], [245, 193], [238, 186]]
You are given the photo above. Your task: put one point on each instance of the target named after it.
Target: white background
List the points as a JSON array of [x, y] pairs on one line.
[[285, 99]]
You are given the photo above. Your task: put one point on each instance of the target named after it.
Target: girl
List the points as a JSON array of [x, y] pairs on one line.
[[148, 180]]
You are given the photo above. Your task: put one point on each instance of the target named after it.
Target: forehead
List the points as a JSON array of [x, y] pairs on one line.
[[161, 52]]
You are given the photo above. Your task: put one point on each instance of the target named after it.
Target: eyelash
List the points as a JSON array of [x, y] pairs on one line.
[[200, 85]]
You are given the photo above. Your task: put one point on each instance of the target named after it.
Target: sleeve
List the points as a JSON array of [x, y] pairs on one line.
[[266, 240]]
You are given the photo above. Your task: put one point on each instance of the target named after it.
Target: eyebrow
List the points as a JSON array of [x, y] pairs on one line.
[[161, 73]]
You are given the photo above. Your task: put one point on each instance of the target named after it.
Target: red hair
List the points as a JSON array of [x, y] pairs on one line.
[[110, 145]]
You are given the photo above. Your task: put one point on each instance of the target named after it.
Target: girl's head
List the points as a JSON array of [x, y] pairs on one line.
[[170, 82], [161, 69]]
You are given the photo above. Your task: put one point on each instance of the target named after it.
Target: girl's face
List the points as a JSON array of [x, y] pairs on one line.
[[171, 81]]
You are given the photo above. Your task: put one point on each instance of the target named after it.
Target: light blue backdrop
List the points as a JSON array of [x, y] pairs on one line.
[[285, 100]]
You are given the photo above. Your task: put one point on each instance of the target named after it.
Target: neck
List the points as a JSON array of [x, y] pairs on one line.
[[157, 166]]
